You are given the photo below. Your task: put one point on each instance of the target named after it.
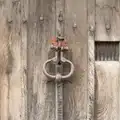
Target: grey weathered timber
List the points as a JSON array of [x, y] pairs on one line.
[[107, 20], [75, 93], [91, 59], [107, 87], [41, 28], [24, 31], [16, 61], [4, 35], [107, 73]]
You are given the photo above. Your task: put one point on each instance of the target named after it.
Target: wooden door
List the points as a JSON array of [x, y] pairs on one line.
[[26, 28], [107, 65]]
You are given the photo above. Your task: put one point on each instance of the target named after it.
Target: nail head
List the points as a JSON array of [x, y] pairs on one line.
[[74, 25], [41, 18]]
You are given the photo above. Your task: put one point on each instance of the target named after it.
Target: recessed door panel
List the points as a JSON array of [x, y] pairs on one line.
[[107, 90]]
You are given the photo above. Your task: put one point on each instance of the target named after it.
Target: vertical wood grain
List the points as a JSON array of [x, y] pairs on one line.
[[17, 61], [41, 28], [91, 59], [107, 78], [115, 20], [107, 73], [24, 31], [75, 93], [4, 35], [107, 20]]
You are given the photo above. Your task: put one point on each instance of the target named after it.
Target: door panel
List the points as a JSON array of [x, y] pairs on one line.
[[107, 72], [26, 28], [107, 90]]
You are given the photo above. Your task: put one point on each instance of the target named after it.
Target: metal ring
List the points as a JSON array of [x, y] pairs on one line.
[[44, 69], [54, 76], [71, 69]]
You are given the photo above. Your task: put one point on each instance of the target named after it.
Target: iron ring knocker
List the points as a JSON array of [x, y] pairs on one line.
[[45, 71], [64, 60]]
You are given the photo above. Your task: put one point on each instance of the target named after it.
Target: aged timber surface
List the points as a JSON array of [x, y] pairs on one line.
[[26, 28], [24, 48], [107, 20], [75, 106], [40, 31], [13, 60], [107, 73], [91, 59], [107, 90], [17, 44], [4, 35]]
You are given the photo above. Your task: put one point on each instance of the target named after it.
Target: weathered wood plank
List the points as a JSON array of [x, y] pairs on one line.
[[75, 97], [17, 62], [4, 35], [41, 28], [14, 57], [107, 78], [107, 20], [91, 59], [24, 30]]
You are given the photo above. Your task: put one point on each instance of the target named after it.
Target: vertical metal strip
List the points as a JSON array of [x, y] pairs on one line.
[[59, 100], [91, 60], [119, 87], [59, 85], [60, 11]]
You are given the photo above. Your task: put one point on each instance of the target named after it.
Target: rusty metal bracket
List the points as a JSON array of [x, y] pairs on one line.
[[63, 60], [59, 46]]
